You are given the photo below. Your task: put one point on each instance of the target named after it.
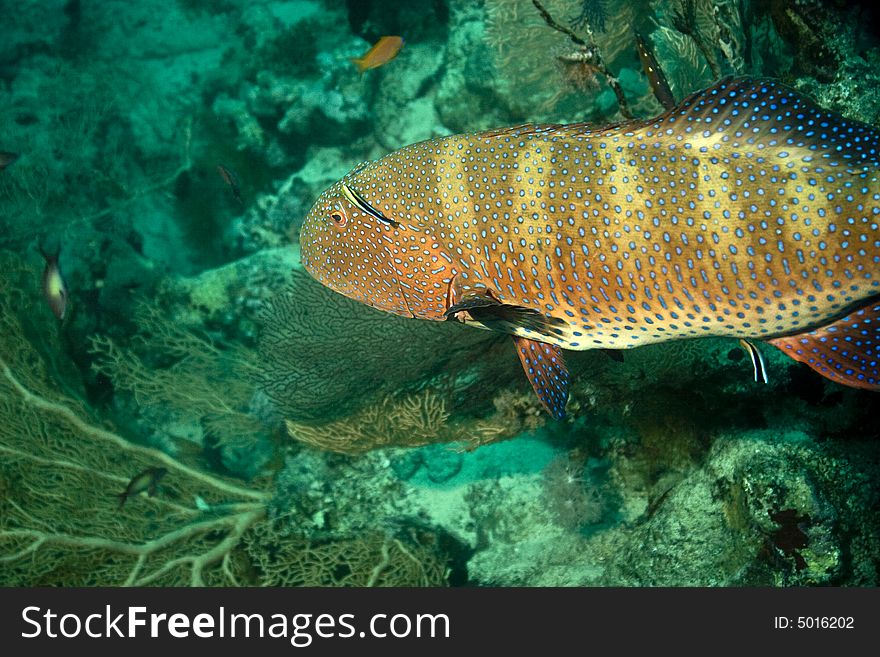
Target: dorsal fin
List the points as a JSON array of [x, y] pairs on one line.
[[763, 113], [751, 113]]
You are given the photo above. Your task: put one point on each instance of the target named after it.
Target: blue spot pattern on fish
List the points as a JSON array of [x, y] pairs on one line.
[[546, 371], [746, 211], [846, 351]]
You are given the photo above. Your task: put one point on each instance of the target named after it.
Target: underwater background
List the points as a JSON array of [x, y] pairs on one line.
[[205, 413]]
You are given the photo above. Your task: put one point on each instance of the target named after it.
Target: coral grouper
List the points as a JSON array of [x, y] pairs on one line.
[[746, 211]]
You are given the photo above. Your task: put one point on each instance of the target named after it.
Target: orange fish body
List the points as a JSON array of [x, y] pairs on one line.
[[382, 52], [746, 211]]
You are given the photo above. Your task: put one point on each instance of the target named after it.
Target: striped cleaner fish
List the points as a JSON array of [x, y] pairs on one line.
[[745, 211]]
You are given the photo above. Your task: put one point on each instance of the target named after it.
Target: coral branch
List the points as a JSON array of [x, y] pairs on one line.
[[68, 415], [590, 52], [60, 476]]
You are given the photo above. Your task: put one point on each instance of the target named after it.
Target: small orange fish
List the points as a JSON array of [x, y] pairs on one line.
[[6, 159], [384, 50], [231, 179]]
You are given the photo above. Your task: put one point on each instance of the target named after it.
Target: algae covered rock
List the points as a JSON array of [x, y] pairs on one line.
[[762, 509]]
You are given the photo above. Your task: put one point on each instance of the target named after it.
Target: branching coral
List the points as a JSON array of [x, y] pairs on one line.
[[587, 58], [60, 473], [406, 420], [691, 70], [62, 469], [695, 18], [373, 559], [514, 29], [325, 356], [191, 374]]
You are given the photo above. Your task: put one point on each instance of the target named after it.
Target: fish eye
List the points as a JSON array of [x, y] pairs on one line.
[[338, 216]]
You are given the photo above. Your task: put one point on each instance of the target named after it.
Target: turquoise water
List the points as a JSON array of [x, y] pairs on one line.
[[200, 410]]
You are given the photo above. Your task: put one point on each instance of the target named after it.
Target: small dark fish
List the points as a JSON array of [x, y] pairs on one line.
[[231, 179], [659, 84], [54, 288], [6, 159], [757, 360], [384, 50], [145, 481]]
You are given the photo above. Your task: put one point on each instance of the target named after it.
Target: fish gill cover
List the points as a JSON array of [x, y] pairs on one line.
[[170, 152]]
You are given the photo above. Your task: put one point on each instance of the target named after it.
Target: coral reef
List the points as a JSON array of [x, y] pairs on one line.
[[311, 440], [61, 471], [176, 392], [373, 559], [420, 418]]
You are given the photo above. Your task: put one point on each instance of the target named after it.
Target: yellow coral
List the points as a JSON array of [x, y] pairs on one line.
[[61, 470], [413, 420]]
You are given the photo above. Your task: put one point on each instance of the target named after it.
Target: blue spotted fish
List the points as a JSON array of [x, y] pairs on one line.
[[744, 211]]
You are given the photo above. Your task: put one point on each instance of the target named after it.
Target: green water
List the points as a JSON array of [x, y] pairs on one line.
[[299, 430]]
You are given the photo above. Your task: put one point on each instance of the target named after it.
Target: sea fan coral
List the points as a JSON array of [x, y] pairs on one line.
[[409, 420], [61, 472], [526, 54], [311, 338]]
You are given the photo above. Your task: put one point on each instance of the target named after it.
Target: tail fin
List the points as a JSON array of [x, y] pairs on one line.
[[359, 62]]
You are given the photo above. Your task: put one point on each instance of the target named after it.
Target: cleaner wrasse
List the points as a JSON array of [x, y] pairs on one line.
[[745, 211]]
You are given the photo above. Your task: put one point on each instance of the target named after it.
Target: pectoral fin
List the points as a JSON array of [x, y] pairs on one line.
[[490, 313], [846, 351], [546, 372], [470, 302]]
